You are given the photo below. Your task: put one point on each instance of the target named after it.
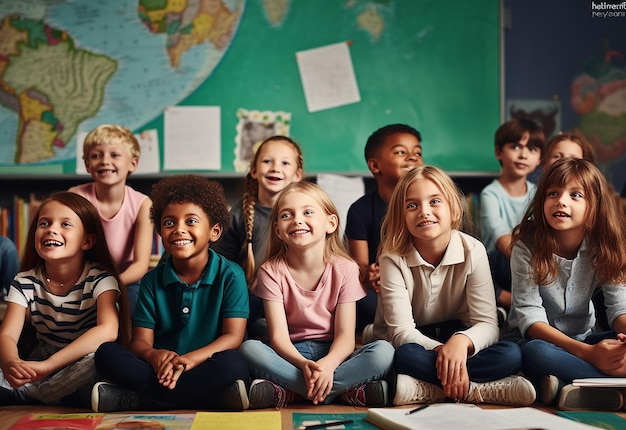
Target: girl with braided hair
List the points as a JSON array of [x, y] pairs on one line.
[[276, 163]]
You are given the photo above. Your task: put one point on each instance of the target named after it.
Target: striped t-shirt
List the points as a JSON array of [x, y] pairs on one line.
[[59, 320]]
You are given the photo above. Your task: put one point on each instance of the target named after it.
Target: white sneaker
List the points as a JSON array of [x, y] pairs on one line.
[[410, 390], [550, 387], [574, 398], [512, 390]]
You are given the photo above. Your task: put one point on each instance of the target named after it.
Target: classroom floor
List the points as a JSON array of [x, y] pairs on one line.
[[11, 414]]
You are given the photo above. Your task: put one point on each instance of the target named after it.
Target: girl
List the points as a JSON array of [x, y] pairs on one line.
[[309, 287], [276, 163], [566, 144], [570, 243], [437, 304], [69, 289]]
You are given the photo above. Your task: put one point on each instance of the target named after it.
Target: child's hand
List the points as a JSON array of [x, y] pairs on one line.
[[18, 372], [373, 277], [311, 371], [452, 367], [175, 368], [322, 385], [609, 356]]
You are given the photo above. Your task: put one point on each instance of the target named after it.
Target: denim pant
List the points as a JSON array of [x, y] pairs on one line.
[[8, 264], [543, 358], [369, 363], [498, 361], [198, 388]]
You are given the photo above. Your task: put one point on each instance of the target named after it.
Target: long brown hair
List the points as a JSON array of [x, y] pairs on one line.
[[250, 197], [334, 246], [395, 236], [98, 254], [605, 229]]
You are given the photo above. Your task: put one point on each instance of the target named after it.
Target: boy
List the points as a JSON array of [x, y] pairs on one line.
[[190, 317], [390, 152], [518, 145], [111, 153]]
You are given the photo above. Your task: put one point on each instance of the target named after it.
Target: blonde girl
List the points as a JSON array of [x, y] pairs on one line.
[[276, 163], [68, 286], [437, 306], [309, 286], [571, 243]]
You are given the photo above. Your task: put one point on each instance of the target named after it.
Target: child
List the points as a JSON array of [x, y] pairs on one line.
[[389, 152], [570, 243], [9, 264], [111, 153], [566, 144], [309, 286], [190, 316], [436, 301], [276, 163], [68, 289], [518, 145]]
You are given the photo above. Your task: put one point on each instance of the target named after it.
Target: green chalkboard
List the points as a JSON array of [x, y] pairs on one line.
[[431, 64], [435, 66]]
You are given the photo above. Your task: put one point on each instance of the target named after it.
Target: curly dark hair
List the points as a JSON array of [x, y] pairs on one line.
[[206, 193]]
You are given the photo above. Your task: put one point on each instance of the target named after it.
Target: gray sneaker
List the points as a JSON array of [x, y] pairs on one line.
[[550, 386], [512, 390], [577, 398], [410, 390], [235, 396], [107, 397]]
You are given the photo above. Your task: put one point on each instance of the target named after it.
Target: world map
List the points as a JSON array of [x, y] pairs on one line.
[[68, 66]]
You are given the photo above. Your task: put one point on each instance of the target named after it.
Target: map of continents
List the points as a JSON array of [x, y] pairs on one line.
[[67, 66]]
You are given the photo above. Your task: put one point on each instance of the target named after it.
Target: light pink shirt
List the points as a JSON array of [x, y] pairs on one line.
[[310, 314], [120, 229]]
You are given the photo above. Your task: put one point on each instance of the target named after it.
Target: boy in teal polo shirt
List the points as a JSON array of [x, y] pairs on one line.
[[190, 317]]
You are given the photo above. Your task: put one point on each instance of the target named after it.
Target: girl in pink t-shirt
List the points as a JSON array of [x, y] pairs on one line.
[[309, 286]]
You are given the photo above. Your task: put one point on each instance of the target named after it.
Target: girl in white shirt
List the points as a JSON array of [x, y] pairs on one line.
[[436, 301]]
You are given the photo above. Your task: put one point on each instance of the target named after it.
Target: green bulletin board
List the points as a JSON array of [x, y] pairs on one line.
[[434, 65]]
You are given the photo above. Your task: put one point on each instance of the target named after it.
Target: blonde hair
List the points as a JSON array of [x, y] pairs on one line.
[[605, 229], [250, 197], [108, 133], [334, 246], [395, 236]]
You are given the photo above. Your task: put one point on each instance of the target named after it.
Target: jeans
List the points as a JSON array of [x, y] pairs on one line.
[[198, 388], [369, 363], [500, 360], [9, 264], [500, 271], [543, 358]]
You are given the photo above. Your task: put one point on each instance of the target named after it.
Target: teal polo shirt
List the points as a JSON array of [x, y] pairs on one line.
[[188, 317]]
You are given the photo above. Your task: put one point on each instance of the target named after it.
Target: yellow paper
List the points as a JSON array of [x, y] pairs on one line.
[[237, 420]]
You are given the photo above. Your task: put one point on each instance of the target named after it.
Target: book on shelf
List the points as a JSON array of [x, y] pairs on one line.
[[599, 382], [454, 416]]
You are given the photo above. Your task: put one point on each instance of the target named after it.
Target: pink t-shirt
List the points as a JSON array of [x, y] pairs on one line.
[[120, 229], [310, 314]]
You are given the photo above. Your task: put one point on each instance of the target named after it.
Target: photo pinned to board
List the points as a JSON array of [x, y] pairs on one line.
[[253, 127]]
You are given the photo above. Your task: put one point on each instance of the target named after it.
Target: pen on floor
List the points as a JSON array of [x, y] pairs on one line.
[[325, 425], [412, 411]]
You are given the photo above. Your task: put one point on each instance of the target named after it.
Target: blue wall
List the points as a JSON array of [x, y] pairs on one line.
[[549, 43]]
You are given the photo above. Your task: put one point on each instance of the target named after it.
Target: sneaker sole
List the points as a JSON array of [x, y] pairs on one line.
[[576, 398]]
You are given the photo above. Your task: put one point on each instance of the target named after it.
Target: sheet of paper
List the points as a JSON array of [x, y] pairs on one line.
[[343, 191], [149, 160], [192, 138], [444, 416], [600, 382], [328, 77], [237, 420]]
